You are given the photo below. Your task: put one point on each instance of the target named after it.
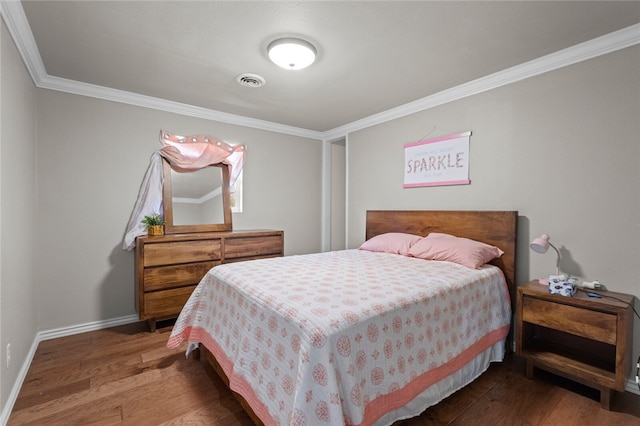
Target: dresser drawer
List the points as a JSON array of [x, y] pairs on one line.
[[164, 277], [582, 322], [171, 253], [167, 302], [252, 246]]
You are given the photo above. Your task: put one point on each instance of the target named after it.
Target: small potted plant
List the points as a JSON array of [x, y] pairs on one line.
[[154, 224]]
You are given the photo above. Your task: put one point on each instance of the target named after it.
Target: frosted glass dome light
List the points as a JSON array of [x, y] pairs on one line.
[[292, 53]]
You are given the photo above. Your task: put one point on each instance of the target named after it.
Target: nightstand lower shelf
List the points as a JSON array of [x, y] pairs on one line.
[[580, 372]]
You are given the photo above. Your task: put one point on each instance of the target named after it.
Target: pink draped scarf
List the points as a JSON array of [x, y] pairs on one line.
[[188, 153]]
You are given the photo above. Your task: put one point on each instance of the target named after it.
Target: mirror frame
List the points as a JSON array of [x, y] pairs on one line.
[[167, 203]]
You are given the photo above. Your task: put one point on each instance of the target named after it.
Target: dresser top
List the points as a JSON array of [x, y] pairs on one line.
[[209, 235]]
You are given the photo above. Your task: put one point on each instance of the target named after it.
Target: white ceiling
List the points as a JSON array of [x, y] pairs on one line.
[[373, 56]]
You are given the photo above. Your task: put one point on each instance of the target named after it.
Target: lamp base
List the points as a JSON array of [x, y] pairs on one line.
[[557, 276]]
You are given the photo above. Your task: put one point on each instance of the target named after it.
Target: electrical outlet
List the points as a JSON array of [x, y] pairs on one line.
[[8, 354]]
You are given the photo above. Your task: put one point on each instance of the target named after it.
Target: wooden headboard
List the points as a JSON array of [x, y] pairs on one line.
[[498, 228]]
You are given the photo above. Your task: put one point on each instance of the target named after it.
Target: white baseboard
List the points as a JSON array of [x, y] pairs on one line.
[[41, 336], [83, 328], [632, 387], [15, 390]]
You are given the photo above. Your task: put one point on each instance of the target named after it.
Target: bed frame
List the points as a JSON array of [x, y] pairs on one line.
[[498, 228]]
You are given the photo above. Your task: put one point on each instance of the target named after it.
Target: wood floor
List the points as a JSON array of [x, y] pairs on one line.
[[125, 375]]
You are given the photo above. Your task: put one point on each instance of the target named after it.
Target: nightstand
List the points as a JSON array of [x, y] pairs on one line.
[[582, 338]]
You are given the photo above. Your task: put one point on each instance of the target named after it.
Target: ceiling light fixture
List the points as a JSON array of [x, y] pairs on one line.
[[291, 53]]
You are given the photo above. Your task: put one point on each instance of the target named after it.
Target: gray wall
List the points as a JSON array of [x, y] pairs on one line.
[[561, 148], [96, 155], [18, 224]]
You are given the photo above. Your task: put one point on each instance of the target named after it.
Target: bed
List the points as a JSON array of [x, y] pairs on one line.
[[357, 337]]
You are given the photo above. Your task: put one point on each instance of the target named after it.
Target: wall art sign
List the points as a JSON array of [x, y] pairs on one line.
[[438, 161]]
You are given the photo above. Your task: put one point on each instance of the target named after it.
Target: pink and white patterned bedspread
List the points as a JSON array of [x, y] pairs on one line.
[[342, 337]]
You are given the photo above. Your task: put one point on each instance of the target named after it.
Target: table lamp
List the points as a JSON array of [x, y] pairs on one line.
[[541, 245]]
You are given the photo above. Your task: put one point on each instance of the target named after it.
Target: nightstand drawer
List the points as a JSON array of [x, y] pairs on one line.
[[582, 322]]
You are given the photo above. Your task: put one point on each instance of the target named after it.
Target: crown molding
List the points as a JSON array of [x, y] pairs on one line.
[[608, 43], [18, 27], [135, 99]]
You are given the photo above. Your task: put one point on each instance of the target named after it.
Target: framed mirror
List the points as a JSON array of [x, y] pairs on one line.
[[197, 201]]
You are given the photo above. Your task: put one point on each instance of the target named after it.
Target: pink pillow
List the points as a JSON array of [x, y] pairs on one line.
[[464, 251], [391, 242]]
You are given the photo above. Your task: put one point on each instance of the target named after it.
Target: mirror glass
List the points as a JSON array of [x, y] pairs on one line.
[[197, 196], [197, 201]]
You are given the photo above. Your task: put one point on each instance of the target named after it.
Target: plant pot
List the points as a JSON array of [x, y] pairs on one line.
[[156, 230]]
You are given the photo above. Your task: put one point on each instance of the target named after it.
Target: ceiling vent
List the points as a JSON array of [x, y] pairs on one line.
[[251, 80]]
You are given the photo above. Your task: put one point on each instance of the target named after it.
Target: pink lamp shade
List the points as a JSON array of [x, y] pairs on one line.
[[541, 245]]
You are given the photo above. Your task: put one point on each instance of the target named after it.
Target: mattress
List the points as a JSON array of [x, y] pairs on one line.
[[347, 337]]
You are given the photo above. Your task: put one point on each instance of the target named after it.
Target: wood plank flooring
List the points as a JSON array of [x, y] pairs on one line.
[[126, 376]]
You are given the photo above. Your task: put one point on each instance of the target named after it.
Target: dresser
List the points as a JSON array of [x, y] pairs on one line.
[[169, 267]]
